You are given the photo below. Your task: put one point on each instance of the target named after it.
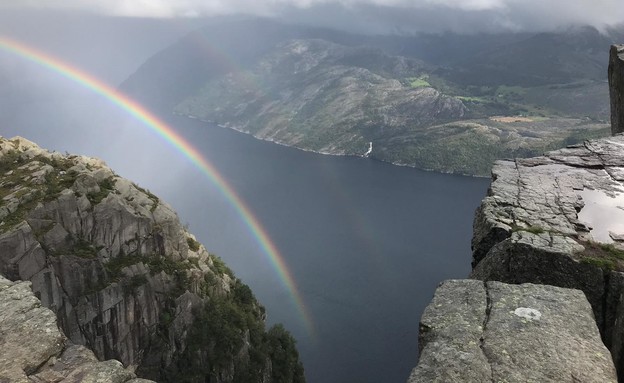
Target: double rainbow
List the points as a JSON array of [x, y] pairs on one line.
[[180, 144]]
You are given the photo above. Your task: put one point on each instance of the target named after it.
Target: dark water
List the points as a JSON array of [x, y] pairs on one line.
[[366, 243]]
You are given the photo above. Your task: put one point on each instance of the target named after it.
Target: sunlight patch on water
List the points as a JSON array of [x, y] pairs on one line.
[[603, 213]]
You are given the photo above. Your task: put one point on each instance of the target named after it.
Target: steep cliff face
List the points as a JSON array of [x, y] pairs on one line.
[[124, 277], [35, 350], [616, 88]]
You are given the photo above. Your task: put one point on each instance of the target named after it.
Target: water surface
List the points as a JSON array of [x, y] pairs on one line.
[[367, 243]]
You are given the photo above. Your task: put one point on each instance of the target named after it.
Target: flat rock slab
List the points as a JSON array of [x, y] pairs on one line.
[[494, 332], [570, 192]]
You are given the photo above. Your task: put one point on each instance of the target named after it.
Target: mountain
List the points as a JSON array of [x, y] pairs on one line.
[[325, 97], [125, 278], [448, 103]]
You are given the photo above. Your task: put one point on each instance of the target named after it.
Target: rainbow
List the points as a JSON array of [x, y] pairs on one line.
[[174, 139]]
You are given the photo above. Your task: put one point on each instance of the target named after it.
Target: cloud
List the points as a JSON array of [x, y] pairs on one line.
[[406, 15]]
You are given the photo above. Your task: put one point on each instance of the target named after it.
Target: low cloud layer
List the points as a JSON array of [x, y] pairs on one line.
[[372, 15]]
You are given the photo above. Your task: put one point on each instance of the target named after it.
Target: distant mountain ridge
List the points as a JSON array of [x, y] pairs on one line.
[[336, 93], [325, 97]]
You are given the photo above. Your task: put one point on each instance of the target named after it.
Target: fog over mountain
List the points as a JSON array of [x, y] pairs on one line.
[[370, 266], [369, 16]]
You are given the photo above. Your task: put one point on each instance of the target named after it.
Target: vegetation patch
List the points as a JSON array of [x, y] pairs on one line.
[[218, 334], [106, 186], [132, 284], [57, 181], [115, 265], [166, 264], [192, 244], [83, 249], [155, 263], [219, 267], [419, 82], [604, 255], [531, 229], [10, 160], [20, 214], [58, 163]]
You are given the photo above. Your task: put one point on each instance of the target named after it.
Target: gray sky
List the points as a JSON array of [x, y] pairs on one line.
[[371, 15]]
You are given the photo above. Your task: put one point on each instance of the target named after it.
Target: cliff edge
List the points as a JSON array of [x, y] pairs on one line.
[[557, 220], [495, 332], [125, 278], [549, 228]]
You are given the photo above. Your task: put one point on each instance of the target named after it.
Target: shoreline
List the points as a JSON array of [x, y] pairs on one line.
[[240, 130]]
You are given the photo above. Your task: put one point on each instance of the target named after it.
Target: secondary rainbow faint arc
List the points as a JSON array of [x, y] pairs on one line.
[[166, 132]]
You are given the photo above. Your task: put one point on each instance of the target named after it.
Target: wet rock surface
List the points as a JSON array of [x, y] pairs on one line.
[[491, 332], [555, 220]]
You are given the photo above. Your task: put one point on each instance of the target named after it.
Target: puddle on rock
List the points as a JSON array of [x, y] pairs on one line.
[[603, 213]]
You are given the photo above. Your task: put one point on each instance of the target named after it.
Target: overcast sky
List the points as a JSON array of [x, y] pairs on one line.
[[372, 15]]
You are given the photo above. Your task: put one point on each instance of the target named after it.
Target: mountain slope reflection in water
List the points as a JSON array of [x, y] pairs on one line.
[[366, 243]]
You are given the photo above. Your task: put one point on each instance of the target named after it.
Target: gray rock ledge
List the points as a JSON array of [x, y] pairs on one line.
[[556, 220], [494, 332]]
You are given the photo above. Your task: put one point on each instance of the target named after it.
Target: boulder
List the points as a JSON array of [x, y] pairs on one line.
[[493, 332]]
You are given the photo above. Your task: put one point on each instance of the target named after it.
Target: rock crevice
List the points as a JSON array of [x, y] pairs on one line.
[[486, 319]]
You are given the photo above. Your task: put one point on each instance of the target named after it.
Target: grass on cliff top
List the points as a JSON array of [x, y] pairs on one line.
[[603, 255]]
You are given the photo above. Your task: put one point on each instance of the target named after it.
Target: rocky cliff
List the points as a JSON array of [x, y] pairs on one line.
[[35, 350], [616, 88], [555, 221], [550, 221], [125, 278]]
